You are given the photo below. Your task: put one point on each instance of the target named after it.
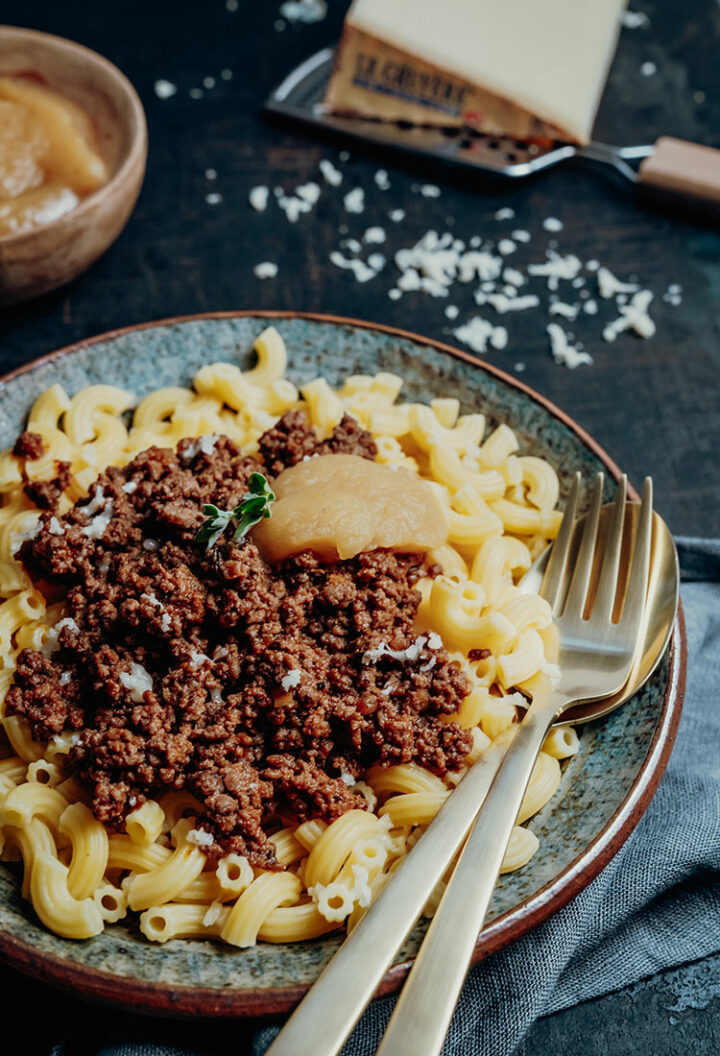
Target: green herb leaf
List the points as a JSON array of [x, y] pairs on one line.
[[254, 507]]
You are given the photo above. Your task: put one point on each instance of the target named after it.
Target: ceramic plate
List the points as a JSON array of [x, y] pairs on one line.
[[604, 790]]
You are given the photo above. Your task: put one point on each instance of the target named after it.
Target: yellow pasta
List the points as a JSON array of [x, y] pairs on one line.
[[89, 842], [562, 742], [541, 788], [256, 903], [522, 846], [499, 506], [144, 824], [161, 884]]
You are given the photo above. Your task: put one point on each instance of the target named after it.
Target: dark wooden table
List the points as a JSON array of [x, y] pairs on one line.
[[653, 404]]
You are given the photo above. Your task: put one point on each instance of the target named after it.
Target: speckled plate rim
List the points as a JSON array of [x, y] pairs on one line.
[[204, 1002]]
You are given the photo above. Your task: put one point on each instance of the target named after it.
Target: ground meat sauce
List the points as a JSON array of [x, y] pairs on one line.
[[291, 440], [170, 666], [30, 446], [46, 493]]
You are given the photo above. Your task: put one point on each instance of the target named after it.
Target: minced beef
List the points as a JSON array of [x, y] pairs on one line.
[[29, 445], [210, 670], [291, 440], [46, 493]]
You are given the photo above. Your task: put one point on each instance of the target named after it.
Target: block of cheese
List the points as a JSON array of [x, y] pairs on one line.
[[530, 69]]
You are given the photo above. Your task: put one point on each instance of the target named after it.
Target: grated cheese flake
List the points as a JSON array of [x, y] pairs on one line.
[[329, 173], [258, 198], [200, 838], [563, 351], [291, 679], [137, 681]]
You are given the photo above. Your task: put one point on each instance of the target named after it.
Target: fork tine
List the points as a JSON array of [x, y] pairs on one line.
[[557, 562], [607, 583], [577, 592], [638, 578]]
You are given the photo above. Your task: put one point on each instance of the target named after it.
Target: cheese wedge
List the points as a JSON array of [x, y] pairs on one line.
[[531, 69]]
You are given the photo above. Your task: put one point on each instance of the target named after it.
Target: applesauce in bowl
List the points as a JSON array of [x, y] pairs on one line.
[[73, 147], [49, 156]]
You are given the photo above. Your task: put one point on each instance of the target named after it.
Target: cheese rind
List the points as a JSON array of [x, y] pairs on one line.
[[518, 67]]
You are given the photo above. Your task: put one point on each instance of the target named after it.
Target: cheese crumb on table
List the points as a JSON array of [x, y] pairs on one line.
[[634, 20], [165, 89], [478, 333], [306, 11], [609, 286], [258, 198], [374, 235], [633, 316], [563, 351], [266, 270], [354, 201], [329, 173]]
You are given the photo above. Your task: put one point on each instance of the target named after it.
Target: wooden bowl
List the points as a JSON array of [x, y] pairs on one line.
[[50, 255]]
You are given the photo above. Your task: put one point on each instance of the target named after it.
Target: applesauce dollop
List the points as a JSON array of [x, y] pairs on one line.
[[49, 159], [340, 505]]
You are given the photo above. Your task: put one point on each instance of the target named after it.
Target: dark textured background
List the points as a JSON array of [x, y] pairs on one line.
[[652, 404]]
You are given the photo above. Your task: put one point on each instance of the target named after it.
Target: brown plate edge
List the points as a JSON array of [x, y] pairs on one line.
[[199, 1002]]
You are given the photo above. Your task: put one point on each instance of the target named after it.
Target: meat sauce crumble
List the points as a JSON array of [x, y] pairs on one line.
[[259, 688]]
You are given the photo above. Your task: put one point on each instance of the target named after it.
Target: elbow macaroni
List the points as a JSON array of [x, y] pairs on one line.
[[500, 507]]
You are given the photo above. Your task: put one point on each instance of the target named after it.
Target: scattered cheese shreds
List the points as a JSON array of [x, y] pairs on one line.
[[137, 681], [412, 652], [305, 11], [609, 286], [634, 20], [354, 200], [329, 173], [165, 89], [633, 316], [374, 235], [437, 261], [564, 352], [291, 679], [200, 838], [478, 333], [258, 198]]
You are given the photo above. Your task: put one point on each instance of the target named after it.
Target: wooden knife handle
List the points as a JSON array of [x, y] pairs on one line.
[[685, 168]]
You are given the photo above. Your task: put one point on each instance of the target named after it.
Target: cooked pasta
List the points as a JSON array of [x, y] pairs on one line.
[[500, 510]]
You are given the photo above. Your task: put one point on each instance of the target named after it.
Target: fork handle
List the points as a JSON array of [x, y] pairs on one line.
[[425, 1007], [322, 1021]]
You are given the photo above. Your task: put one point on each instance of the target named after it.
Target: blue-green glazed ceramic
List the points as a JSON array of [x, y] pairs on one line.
[[604, 790]]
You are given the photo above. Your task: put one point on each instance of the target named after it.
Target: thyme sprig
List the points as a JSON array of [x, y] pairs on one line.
[[254, 507]]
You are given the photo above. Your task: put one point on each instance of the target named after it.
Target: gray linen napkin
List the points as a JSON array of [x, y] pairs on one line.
[[656, 905]]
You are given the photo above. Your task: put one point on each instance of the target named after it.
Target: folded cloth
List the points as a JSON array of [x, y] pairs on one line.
[[656, 905]]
